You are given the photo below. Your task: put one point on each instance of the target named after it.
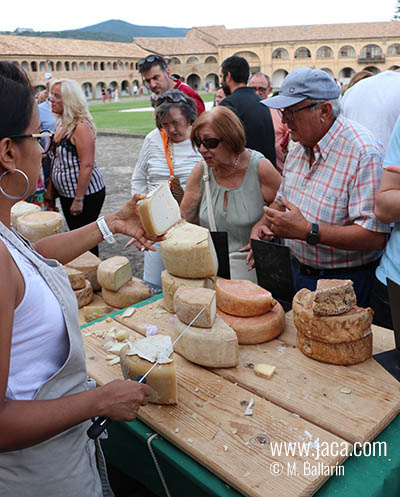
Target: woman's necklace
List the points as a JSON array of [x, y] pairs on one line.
[[235, 165]]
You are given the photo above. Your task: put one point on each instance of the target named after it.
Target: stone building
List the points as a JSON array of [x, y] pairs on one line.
[[339, 49]]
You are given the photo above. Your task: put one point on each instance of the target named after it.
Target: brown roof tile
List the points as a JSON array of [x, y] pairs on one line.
[[176, 46]]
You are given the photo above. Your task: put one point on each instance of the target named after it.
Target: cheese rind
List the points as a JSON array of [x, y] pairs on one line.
[[342, 354], [84, 295], [215, 347], [188, 302], [130, 293], [171, 283], [258, 329], [188, 251], [333, 297], [88, 264], [159, 210], [242, 298], [37, 225], [114, 272], [76, 278], [96, 311], [347, 327], [21, 208]]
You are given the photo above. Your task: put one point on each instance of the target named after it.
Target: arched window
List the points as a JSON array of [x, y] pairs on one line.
[[115, 66], [74, 66], [108, 66], [302, 53], [25, 66], [371, 52], [33, 66], [347, 51], [324, 52], [50, 65], [81, 66], [126, 66], [42, 66], [394, 49], [96, 66], [66, 65], [59, 66], [88, 66], [211, 60], [192, 60], [280, 53], [102, 66]]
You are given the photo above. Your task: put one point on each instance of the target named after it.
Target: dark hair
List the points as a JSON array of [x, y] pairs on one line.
[[16, 100], [177, 99], [238, 67], [150, 61]]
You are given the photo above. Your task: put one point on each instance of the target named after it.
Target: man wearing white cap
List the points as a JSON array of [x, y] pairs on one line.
[[324, 208]]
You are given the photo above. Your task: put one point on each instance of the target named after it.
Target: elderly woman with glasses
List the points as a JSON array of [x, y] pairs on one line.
[[240, 182], [167, 155]]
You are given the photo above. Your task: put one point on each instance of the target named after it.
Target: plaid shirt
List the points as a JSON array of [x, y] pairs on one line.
[[339, 188]]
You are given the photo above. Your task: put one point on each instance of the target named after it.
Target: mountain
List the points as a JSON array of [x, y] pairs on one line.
[[112, 30]]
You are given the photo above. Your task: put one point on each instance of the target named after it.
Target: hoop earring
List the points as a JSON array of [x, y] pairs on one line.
[[15, 197]]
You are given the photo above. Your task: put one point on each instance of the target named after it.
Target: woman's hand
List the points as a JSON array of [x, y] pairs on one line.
[[76, 207]]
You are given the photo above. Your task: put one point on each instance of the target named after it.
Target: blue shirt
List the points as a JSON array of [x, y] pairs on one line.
[[47, 118]]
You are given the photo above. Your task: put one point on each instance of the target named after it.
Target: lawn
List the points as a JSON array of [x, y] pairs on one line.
[[108, 118]]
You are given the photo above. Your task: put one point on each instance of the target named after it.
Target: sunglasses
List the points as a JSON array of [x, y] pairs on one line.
[[208, 143], [173, 98], [289, 114], [150, 59]]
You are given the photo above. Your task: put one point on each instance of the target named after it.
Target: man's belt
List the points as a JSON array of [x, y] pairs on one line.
[[321, 272]]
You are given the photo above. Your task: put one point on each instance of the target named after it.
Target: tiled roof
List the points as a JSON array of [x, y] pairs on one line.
[[27, 45], [176, 46]]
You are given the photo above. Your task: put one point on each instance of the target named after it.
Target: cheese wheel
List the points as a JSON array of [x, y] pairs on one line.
[[257, 329], [159, 210], [37, 225], [242, 298], [344, 354], [76, 278], [215, 347], [130, 293], [171, 283], [114, 272], [347, 327], [188, 251], [21, 208], [162, 379], [84, 295], [96, 311], [188, 302], [88, 264], [333, 297]]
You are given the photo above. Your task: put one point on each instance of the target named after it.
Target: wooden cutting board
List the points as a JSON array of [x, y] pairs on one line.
[[313, 390], [209, 424]]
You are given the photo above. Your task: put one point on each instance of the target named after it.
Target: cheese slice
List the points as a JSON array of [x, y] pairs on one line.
[[130, 293], [88, 264], [37, 225], [114, 272], [264, 370], [159, 210], [21, 208], [215, 347], [84, 295], [348, 327], [242, 298], [333, 297], [344, 354], [96, 311], [188, 251], [171, 283], [257, 329], [188, 302], [76, 278]]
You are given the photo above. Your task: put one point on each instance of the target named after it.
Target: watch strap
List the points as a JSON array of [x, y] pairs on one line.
[[105, 230]]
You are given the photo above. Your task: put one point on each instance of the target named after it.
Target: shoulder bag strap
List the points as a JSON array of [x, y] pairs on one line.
[[210, 212], [164, 138]]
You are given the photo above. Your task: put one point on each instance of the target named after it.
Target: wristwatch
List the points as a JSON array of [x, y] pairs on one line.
[[313, 236]]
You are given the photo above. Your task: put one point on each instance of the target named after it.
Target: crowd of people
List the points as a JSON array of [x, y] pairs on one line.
[[292, 166]]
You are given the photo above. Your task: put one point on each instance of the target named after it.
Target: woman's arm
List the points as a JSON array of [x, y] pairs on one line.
[[191, 199], [270, 180], [387, 203]]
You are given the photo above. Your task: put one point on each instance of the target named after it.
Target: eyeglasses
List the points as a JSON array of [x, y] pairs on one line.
[[208, 143], [260, 88], [288, 114], [173, 98], [44, 138], [150, 59]]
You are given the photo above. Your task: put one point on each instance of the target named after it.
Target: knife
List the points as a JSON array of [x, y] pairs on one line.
[[101, 423]]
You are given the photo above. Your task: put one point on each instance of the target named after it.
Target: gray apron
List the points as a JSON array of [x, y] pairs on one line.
[[69, 464]]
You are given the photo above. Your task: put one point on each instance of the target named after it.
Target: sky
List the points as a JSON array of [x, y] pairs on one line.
[[73, 14]]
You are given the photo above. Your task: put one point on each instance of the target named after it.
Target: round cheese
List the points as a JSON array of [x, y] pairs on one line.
[[76, 278], [348, 327], [21, 208], [257, 329], [188, 302], [84, 295], [130, 293], [87, 263], [37, 225], [242, 298], [171, 283], [114, 272], [344, 354]]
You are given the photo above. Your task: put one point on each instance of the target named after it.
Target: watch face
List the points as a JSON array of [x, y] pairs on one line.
[[313, 236]]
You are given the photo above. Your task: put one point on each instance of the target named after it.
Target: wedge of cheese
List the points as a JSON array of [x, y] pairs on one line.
[[114, 272], [242, 298], [344, 354], [88, 264], [96, 311], [84, 295], [130, 293], [76, 278], [159, 210], [348, 327], [138, 360], [188, 251], [333, 297], [171, 283], [21, 208], [37, 225], [215, 347], [264, 370], [257, 329], [188, 302]]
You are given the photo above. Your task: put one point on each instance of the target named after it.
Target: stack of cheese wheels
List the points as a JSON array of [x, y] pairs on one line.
[[87, 263], [209, 341], [81, 286], [37, 225], [330, 326], [118, 287], [171, 283], [250, 310], [21, 208]]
